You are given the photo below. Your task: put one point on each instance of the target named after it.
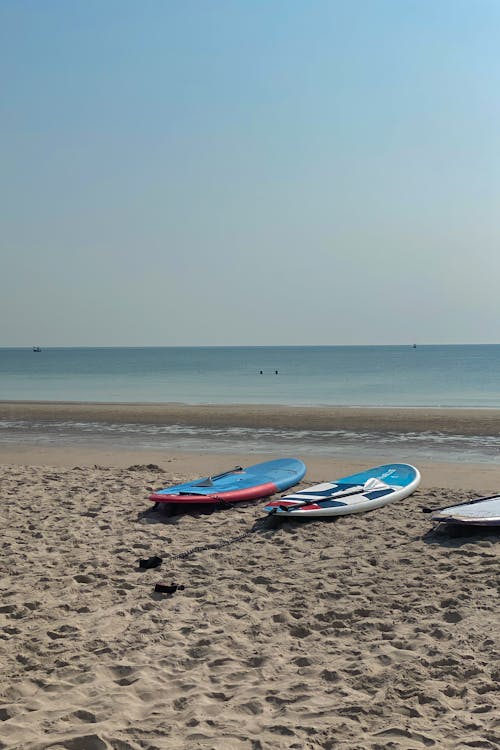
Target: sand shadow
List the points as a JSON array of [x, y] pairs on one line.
[[456, 535], [171, 513]]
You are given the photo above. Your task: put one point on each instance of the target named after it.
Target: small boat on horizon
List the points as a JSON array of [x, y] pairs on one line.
[[37, 349]]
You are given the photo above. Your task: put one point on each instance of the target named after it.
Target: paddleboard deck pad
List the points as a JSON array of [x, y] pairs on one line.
[[485, 511], [353, 494], [235, 485]]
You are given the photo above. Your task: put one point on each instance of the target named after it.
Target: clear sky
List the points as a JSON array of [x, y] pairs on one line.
[[184, 172]]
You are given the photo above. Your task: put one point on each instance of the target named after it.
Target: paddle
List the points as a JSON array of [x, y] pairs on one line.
[[209, 481], [371, 484], [457, 505]]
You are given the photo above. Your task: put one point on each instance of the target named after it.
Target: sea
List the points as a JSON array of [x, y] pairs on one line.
[[450, 376]]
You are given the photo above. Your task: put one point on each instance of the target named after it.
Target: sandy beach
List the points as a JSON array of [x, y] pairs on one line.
[[373, 631]]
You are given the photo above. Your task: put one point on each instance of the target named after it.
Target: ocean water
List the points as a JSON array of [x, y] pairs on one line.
[[446, 376], [430, 376]]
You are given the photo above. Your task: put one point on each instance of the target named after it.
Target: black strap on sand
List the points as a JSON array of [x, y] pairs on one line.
[[156, 561]]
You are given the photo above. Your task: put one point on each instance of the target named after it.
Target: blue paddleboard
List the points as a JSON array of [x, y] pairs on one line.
[[260, 480]]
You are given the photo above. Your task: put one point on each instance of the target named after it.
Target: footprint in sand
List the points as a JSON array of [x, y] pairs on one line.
[[85, 716], [83, 742], [123, 675], [63, 632]]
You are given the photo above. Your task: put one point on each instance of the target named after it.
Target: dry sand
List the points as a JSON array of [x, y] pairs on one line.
[[370, 632]]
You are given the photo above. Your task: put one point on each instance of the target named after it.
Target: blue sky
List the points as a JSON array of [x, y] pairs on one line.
[[249, 172]]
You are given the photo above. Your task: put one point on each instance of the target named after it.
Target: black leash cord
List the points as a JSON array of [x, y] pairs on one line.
[[155, 561]]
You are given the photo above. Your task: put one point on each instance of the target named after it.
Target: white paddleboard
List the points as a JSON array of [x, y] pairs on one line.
[[357, 493], [485, 511]]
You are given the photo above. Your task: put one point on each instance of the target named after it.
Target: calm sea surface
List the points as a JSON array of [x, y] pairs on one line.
[[431, 376], [447, 376]]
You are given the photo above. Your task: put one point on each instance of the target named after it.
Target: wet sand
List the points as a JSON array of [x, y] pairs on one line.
[[455, 421]]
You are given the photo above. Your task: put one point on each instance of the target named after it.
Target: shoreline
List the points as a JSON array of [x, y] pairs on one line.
[[208, 454], [462, 421], [475, 478]]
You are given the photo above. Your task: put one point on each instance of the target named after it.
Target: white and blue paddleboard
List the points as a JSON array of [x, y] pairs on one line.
[[485, 511], [353, 494]]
